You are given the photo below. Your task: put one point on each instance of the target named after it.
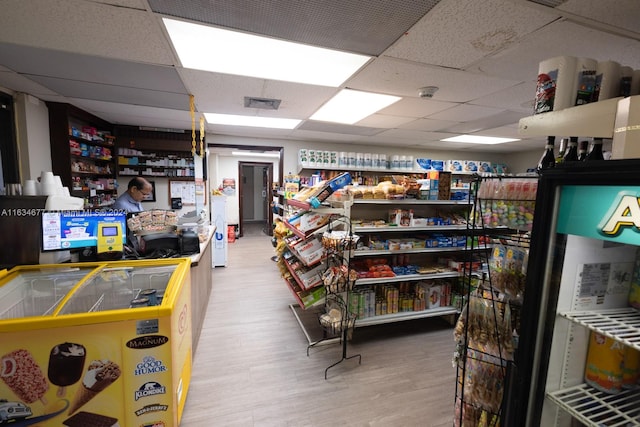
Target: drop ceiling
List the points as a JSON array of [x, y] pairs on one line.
[[114, 59]]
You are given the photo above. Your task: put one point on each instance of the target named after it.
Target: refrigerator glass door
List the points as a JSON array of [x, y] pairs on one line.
[[591, 264]]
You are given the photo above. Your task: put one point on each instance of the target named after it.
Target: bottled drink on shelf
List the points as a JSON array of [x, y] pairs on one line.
[[596, 151], [561, 150], [548, 159], [582, 150], [571, 154]]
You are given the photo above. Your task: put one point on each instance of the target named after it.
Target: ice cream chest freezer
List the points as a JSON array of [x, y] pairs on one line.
[[95, 344]]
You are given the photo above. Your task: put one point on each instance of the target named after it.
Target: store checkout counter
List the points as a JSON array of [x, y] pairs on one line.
[[34, 237]]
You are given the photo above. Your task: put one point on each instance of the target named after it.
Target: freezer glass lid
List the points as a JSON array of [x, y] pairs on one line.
[[37, 292], [120, 288]]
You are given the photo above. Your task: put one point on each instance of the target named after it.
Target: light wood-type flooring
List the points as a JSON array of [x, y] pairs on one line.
[[251, 367]]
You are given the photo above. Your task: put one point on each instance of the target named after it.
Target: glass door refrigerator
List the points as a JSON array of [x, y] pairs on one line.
[[577, 359]]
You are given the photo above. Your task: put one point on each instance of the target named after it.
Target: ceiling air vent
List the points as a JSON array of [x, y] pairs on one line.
[[262, 103]]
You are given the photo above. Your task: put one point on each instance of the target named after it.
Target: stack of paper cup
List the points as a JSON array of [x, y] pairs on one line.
[[48, 185], [30, 188], [554, 88]]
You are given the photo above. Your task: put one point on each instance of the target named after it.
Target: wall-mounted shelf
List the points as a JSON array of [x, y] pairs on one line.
[[596, 119]]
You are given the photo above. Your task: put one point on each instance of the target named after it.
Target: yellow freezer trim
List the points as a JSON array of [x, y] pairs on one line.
[[56, 320]]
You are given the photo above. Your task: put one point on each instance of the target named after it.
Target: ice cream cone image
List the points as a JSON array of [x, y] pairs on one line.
[[100, 374]]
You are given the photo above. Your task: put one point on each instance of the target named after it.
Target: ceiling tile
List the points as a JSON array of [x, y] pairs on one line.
[[416, 107], [402, 78], [557, 39], [87, 27], [110, 93], [465, 113], [223, 93], [359, 26], [428, 125], [83, 68], [338, 128], [457, 33], [619, 14], [384, 121]]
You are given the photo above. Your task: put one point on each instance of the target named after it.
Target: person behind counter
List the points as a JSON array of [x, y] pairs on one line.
[[137, 189]]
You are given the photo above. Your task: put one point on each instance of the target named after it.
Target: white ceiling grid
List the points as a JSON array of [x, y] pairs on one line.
[[114, 59]]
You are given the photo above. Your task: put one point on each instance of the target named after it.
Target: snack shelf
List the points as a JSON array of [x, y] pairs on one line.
[[406, 277], [304, 298], [596, 408], [411, 202], [375, 252], [295, 253], [405, 315], [300, 283], [406, 228], [620, 324], [302, 234]]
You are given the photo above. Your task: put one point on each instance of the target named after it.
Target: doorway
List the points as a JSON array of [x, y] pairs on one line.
[[255, 196]]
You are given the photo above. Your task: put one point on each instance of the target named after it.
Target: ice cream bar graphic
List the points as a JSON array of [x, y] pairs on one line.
[[23, 376], [89, 419], [100, 374], [66, 362]]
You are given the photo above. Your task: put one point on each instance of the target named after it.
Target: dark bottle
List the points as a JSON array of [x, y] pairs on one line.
[[561, 150], [572, 152], [548, 159], [596, 151], [582, 150]]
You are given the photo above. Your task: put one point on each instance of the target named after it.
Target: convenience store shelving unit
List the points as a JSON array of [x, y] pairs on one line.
[[310, 297], [84, 162], [370, 209]]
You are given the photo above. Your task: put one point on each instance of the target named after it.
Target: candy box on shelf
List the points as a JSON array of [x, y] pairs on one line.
[[74, 148]]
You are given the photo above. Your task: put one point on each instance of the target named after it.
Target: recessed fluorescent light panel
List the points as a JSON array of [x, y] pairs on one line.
[[252, 121], [351, 106], [251, 154], [230, 52], [474, 139]]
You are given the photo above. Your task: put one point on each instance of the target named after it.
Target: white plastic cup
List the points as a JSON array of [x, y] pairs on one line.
[[30, 188]]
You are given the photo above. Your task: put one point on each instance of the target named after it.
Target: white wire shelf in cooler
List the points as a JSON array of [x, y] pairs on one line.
[[620, 324], [597, 408]]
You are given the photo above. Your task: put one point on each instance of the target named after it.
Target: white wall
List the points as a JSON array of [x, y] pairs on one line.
[[221, 167], [32, 127]]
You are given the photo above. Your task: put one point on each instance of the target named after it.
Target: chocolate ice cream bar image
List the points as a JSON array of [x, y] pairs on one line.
[[100, 374], [89, 419], [23, 376], [66, 362]]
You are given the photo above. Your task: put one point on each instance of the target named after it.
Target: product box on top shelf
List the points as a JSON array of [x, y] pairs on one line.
[[454, 165], [470, 166], [437, 165], [485, 167]]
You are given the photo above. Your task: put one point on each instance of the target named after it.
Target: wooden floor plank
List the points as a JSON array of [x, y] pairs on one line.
[[251, 368]]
